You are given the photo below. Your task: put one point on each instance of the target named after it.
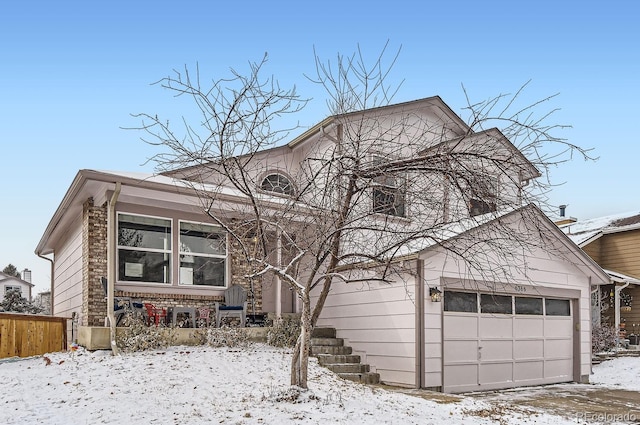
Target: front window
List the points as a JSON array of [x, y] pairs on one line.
[[144, 249], [388, 192], [203, 255]]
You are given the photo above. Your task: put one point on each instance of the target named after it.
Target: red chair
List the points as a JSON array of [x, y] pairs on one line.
[[156, 313], [203, 315]]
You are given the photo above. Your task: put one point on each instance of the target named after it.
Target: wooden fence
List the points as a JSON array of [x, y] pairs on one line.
[[25, 335]]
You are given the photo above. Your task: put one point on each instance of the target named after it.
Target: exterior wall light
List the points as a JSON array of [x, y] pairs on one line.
[[435, 294]]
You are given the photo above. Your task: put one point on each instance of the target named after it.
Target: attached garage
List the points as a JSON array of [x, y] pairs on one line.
[[494, 341], [484, 317]]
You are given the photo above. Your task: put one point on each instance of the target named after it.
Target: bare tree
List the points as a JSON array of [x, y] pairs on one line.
[[363, 189]]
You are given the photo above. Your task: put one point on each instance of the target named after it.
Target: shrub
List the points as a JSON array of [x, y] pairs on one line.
[[137, 336], [284, 331], [227, 337], [603, 338]]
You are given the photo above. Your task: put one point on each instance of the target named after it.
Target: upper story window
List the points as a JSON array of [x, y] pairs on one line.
[[482, 194], [278, 183], [388, 192], [203, 255], [144, 249], [8, 288]]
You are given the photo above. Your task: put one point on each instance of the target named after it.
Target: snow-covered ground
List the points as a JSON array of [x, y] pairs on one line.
[[198, 385]]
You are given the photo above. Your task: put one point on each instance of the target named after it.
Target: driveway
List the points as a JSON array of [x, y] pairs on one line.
[[583, 403], [588, 403]]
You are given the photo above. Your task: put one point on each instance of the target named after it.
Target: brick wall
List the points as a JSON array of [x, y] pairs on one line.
[[94, 263]]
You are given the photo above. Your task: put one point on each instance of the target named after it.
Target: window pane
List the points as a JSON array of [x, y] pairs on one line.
[[202, 271], [526, 305], [144, 232], [202, 239], [500, 304], [141, 266], [460, 301], [557, 307], [388, 200], [277, 183]]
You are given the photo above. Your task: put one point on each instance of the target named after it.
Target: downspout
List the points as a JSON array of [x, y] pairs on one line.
[[420, 366], [51, 283], [617, 291], [111, 266]]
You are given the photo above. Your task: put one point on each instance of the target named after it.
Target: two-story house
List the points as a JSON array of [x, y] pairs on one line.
[[8, 283], [488, 293]]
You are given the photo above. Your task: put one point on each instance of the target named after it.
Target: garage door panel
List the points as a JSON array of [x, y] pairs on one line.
[[532, 327], [461, 327], [461, 351], [528, 349], [558, 348], [457, 375], [528, 371], [494, 373], [560, 368], [561, 328], [496, 327], [496, 350]]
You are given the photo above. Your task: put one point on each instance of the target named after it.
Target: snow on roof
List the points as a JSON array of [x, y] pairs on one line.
[[584, 230], [622, 278]]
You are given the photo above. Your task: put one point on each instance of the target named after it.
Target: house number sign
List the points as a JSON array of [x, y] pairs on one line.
[[520, 288]]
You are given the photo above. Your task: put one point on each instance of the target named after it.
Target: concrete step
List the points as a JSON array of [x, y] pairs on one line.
[[348, 367], [327, 359], [364, 378], [323, 332], [327, 341], [330, 349]]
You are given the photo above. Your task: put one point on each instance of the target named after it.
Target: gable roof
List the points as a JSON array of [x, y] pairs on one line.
[[472, 224], [5, 277], [586, 231], [434, 101]]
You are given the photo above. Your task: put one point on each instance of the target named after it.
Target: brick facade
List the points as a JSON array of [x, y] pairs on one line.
[[94, 263], [94, 260]]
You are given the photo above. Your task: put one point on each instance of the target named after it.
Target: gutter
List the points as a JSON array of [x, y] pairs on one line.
[[111, 266]]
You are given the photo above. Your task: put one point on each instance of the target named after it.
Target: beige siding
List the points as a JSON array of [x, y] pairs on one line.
[[593, 250], [621, 252], [378, 322], [68, 273]]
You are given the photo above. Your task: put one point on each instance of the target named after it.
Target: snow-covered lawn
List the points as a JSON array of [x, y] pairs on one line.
[[198, 385]]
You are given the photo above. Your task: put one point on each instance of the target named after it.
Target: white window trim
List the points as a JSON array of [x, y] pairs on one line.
[[156, 250], [225, 256], [377, 158]]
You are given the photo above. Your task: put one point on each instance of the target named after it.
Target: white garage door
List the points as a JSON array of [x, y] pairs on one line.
[[502, 341]]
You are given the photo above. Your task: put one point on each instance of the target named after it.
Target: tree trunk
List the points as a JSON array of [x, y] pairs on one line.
[[300, 360]]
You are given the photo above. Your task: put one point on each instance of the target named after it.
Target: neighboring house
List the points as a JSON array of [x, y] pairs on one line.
[[614, 243], [8, 283], [527, 325]]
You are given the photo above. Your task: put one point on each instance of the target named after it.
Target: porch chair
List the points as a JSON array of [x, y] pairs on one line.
[[155, 313], [122, 305], [203, 316], [235, 304]]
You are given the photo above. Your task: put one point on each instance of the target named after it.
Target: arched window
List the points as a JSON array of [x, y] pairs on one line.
[[277, 183]]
